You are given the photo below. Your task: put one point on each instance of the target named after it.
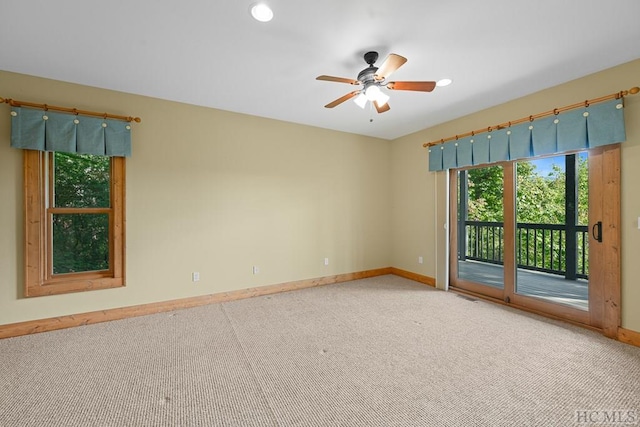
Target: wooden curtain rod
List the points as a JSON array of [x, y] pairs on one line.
[[46, 107], [555, 111]]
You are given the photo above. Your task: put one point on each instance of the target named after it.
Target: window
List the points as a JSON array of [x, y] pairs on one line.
[[74, 221]]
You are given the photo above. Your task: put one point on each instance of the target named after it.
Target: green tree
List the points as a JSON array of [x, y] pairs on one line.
[[583, 190], [539, 199], [485, 194]]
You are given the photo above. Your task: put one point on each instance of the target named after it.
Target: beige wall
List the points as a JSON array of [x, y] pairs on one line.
[[219, 192], [213, 192], [419, 197]]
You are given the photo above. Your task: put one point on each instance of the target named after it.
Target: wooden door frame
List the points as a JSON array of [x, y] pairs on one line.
[[604, 287], [608, 160]]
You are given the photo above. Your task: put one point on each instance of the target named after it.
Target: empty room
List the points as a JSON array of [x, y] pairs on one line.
[[354, 214]]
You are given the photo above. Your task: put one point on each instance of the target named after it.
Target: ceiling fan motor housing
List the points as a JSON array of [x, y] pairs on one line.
[[370, 58], [367, 75]]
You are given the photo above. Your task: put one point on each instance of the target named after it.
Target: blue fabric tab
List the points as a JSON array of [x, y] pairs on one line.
[[520, 141], [499, 145], [60, 132], [91, 136], [465, 152], [449, 155], [480, 149], [27, 130], [572, 130], [543, 136], [435, 158], [118, 139], [605, 123]]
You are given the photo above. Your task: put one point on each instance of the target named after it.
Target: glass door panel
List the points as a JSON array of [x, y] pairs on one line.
[[551, 241], [480, 226]]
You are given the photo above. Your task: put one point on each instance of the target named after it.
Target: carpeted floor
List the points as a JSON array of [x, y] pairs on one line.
[[383, 351]]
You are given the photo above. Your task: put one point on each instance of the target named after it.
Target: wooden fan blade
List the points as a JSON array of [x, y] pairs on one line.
[[417, 86], [382, 109], [338, 79], [342, 99], [391, 64]]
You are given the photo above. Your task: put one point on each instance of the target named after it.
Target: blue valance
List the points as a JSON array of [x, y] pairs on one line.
[[35, 129], [582, 128]]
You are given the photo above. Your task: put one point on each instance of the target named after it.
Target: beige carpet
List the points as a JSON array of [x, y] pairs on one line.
[[383, 351]]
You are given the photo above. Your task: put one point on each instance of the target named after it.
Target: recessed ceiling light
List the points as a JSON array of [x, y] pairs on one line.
[[261, 12], [443, 82]]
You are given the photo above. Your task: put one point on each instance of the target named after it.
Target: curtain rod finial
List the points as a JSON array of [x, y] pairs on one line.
[[137, 119], [634, 90]]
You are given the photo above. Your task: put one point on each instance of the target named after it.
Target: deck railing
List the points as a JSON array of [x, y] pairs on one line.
[[539, 247]]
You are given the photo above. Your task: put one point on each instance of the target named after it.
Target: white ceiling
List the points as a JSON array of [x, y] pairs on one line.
[[212, 53]]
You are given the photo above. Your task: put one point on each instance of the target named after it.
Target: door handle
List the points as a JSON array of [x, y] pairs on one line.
[[597, 227]]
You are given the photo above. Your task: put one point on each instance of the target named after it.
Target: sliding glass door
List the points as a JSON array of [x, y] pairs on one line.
[[530, 233]]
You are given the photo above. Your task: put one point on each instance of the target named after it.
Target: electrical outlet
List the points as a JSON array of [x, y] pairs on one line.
[[256, 269], [326, 261], [195, 276], [420, 260]]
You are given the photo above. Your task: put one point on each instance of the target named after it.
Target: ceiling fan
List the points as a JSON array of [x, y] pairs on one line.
[[373, 79]]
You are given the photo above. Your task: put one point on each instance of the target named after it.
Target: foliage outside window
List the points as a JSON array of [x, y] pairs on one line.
[[540, 199], [540, 195], [74, 222]]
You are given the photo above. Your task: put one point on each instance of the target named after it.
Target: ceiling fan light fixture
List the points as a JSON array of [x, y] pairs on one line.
[[382, 98], [361, 100], [443, 82], [372, 92], [261, 12]]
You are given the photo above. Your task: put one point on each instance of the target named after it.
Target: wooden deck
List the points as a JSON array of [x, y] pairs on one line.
[[551, 287]]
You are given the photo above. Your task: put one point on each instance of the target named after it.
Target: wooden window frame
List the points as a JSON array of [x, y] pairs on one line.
[[39, 279]]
